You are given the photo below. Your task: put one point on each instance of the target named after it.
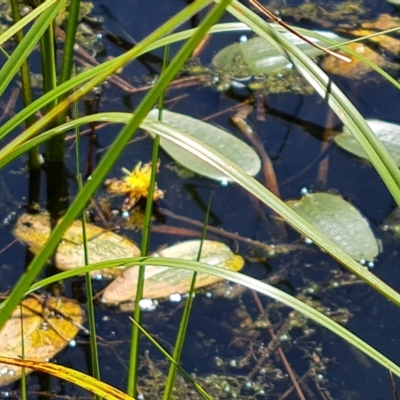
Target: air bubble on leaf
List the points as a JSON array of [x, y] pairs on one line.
[[371, 264], [308, 241], [224, 183], [72, 343], [362, 261], [243, 39]]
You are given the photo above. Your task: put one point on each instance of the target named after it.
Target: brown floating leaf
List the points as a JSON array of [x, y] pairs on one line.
[[102, 245], [45, 332], [357, 68], [161, 282]]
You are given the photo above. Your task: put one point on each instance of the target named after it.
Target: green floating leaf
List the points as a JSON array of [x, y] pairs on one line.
[[234, 149], [257, 56], [339, 221], [161, 282], [387, 133]]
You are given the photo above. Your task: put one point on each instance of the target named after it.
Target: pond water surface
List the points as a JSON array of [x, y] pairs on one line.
[[230, 353]]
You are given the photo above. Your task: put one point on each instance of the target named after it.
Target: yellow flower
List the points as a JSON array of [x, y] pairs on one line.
[[138, 181], [135, 185]]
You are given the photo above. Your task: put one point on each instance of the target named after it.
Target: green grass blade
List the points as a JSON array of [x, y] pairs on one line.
[[169, 385], [259, 191], [165, 353], [134, 360], [98, 176], [10, 32], [20, 54], [244, 280], [277, 205], [97, 75]]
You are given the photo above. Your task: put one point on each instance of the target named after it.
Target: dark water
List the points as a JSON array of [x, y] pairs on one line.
[[218, 339]]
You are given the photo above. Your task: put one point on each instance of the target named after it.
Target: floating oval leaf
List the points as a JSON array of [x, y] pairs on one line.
[[161, 282], [256, 56], [339, 221], [388, 134], [103, 245], [228, 145], [48, 326]]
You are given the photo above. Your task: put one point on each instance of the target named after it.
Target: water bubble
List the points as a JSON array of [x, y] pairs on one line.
[[279, 76], [320, 377], [308, 241], [284, 338], [304, 191], [218, 362], [125, 214], [9, 218], [233, 363], [98, 277], [114, 212], [249, 385], [175, 298], [370, 264], [289, 66], [148, 304], [25, 10], [44, 326], [140, 396], [227, 388], [362, 261], [97, 90], [261, 392], [224, 182], [6, 393], [209, 295], [72, 343], [243, 39], [11, 372]]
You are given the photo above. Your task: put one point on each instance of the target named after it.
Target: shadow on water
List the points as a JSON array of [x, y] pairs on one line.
[[230, 348]]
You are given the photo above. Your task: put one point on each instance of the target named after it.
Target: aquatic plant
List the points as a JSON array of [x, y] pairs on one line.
[[58, 97]]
